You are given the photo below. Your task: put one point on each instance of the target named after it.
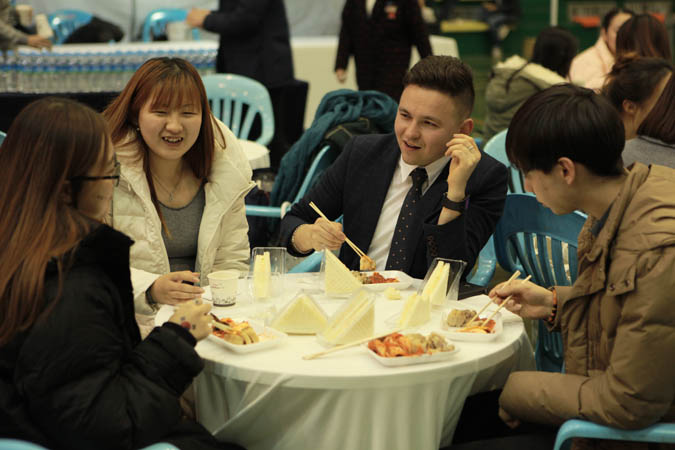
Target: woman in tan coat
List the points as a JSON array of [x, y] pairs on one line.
[[617, 320]]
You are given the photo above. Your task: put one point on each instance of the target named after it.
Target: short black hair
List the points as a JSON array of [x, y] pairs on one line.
[[445, 74], [609, 15], [566, 121]]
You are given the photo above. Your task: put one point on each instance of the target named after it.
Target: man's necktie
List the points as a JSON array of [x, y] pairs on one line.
[[397, 251]]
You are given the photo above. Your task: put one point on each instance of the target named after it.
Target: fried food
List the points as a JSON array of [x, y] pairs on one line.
[[459, 317], [367, 264], [238, 333]]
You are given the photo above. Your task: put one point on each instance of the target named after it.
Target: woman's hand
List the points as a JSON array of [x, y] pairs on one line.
[[529, 301], [194, 317], [170, 289]]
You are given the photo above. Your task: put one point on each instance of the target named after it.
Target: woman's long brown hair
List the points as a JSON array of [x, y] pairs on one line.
[[169, 83], [49, 142]]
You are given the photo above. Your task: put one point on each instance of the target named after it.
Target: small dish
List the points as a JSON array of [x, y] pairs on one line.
[[456, 335], [398, 361], [269, 338], [404, 280]]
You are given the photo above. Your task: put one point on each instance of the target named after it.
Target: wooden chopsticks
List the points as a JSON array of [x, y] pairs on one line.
[[351, 344], [358, 251], [515, 275], [501, 305]]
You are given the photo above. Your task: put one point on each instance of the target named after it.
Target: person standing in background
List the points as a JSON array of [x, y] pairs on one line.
[[10, 37], [591, 66], [254, 42], [380, 34]]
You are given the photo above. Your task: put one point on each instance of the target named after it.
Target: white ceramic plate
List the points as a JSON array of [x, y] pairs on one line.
[[456, 335], [269, 337], [404, 280], [410, 360]]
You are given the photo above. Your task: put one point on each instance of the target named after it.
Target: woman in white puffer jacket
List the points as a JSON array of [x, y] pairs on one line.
[[183, 181]]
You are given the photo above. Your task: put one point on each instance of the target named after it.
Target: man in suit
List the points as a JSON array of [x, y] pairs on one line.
[[401, 216], [380, 35]]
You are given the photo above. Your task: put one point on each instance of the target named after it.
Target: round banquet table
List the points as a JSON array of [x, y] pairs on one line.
[[273, 399]]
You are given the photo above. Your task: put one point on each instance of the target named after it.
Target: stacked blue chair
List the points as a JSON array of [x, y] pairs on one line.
[[2, 137], [530, 238], [658, 433], [156, 21], [64, 21], [15, 444], [236, 100]]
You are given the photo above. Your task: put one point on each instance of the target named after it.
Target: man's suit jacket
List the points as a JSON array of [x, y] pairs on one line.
[[381, 42], [357, 183], [254, 40]]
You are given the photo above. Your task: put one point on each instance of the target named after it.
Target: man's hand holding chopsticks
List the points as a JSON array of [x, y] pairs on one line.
[[529, 300], [320, 235]]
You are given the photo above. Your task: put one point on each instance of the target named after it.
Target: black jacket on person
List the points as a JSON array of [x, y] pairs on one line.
[[254, 40], [80, 377], [356, 185]]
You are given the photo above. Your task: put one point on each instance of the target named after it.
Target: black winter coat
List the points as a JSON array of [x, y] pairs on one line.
[[81, 377], [254, 40]]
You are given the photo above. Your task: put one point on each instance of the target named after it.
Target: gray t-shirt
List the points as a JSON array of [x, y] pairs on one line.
[[183, 224], [648, 150]]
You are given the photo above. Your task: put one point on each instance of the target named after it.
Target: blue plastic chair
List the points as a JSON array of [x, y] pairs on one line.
[[530, 238], [485, 265], [2, 137], [496, 147], [64, 21], [660, 432], [321, 162], [229, 93], [15, 444], [156, 21]]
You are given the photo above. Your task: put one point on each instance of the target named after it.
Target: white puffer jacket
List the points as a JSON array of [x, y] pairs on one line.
[[223, 233]]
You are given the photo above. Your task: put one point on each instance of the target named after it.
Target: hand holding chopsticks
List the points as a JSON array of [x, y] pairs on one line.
[[501, 305], [358, 251], [515, 275]]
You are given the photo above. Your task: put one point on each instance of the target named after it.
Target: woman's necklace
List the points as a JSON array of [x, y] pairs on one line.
[[171, 192]]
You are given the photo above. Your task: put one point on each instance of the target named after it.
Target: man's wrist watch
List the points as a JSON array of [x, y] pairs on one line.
[[459, 206]]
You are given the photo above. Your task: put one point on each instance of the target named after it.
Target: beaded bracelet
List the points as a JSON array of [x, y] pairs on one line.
[[554, 311]]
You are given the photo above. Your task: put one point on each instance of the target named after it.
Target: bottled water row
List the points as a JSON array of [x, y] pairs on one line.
[[30, 71]]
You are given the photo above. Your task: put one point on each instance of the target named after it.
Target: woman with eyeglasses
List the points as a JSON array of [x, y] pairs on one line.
[[183, 181], [74, 372]]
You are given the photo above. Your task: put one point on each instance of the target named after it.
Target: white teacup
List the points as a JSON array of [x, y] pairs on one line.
[[223, 285]]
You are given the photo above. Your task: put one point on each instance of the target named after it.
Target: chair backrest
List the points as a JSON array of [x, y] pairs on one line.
[[64, 21], [2, 137], [231, 96], [530, 238], [157, 19], [496, 147], [660, 432], [15, 444], [485, 265]]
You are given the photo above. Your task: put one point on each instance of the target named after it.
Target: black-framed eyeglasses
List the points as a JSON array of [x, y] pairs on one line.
[[115, 176]]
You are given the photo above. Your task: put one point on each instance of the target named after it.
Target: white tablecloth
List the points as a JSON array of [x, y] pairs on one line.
[[347, 400]]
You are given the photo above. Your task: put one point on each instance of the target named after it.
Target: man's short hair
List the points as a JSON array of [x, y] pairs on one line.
[[566, 121], [445, 74]]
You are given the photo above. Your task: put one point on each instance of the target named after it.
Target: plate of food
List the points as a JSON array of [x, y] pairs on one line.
[[245, 336], [462, 326], [381, 280], [399, 349]]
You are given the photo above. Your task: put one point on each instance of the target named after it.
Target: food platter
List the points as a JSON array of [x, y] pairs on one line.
[[410, 360], [404, 280], [269, 337], [455, 334]]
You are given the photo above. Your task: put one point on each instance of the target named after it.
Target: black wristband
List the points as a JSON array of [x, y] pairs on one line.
[[454, 206]]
